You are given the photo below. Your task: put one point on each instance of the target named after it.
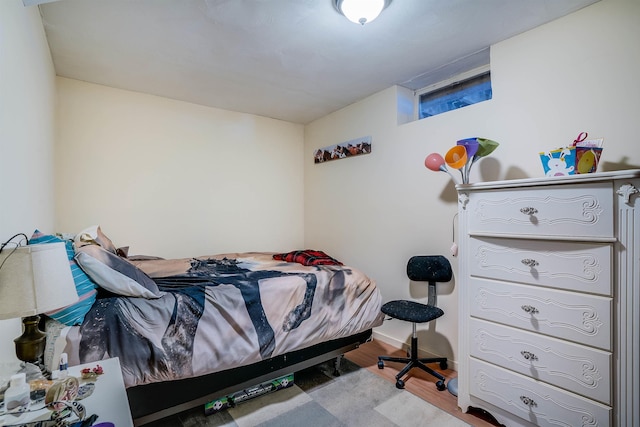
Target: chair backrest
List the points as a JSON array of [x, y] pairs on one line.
[[429, 268]]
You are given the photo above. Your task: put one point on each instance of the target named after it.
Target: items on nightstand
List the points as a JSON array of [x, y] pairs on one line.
[[64, 364], [63, 390], [33, 279], [91, 373], [73, 401], [17, 395]]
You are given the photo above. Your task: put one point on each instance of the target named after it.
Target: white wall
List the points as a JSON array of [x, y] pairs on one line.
[[27, 97], [175, 179], [578, 73]]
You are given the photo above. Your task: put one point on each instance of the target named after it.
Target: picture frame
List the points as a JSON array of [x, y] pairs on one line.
[[343, 150]]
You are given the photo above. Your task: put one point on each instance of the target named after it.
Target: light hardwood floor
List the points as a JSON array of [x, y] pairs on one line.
[[417, 382]]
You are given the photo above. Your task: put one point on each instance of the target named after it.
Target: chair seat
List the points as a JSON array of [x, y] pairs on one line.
[[411, 311]]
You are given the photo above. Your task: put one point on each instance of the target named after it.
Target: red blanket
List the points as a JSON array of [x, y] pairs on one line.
[[307, 257]]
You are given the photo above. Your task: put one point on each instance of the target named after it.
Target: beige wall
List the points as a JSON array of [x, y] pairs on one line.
[[576, 74], [175, 179], [27, 123]]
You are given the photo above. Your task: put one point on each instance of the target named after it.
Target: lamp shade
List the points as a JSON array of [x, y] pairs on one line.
[[471, 145], [434, 162], [35, 279], [456, 157]]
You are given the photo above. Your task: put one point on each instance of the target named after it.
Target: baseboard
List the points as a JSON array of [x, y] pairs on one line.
[[404, 346]]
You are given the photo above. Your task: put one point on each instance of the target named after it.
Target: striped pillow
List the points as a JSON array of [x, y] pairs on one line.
[[86, 288]]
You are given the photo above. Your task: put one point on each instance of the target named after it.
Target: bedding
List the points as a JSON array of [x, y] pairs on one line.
[[114, 273], [220, 312]]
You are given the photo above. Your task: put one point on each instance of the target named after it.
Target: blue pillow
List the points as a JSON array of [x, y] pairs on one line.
[[86, 288]]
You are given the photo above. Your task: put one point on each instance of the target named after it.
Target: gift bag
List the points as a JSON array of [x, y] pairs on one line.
[[579, 158]]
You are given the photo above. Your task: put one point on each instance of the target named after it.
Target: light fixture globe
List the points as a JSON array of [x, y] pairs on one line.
[[361, 11]]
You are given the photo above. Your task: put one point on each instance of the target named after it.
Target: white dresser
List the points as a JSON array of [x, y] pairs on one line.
[[549, 288]]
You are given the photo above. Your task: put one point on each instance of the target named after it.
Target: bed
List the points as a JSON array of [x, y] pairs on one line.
[[187, 331]]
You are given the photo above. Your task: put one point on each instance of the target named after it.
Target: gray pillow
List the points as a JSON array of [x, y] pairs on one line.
[[115, 274]]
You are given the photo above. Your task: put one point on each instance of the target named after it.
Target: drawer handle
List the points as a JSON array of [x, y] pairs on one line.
[[528, 355], [529, 210], [528, 401], [530, 309], [530, 262]]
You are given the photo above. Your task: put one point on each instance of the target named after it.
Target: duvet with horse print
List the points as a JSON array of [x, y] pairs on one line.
[[218, 312]]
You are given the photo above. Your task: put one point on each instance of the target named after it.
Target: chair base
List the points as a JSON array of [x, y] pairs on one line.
[[415, 362]]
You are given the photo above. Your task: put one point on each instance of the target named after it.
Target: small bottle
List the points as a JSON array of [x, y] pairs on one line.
[[63, 366], [18, 393]]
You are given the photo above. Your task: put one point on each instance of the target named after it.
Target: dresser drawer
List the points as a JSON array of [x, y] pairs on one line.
[[582, 318], [582, 267], [534, 401], [577, 368], [570, 211]]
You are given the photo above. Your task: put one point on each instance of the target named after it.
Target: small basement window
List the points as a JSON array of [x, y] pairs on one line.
[[455, 93]]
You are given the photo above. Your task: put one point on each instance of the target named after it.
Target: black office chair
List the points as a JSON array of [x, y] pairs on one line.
[[430, 269]]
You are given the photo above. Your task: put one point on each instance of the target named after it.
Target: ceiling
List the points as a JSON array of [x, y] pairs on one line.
[[294, 60]]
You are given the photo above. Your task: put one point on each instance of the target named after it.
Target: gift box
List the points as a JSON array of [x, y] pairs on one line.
[[581, 158]]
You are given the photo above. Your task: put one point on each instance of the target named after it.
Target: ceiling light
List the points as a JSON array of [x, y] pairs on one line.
[[360, 11]]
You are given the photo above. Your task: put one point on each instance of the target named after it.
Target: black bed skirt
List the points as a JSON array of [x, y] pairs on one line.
[[154, 401]]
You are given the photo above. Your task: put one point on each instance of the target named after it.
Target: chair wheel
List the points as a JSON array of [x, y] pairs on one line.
[[443, 365], [440, 385], [400, 384], [380, 364]]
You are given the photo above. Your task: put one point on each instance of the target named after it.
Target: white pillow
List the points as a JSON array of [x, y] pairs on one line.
[[93, 236]]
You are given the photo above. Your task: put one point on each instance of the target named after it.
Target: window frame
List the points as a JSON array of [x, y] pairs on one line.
[[450, 82]]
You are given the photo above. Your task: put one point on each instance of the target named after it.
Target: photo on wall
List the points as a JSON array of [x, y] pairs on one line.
[[354, 147]]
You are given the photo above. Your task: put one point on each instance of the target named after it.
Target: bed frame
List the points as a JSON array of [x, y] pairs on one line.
[[151, 402]]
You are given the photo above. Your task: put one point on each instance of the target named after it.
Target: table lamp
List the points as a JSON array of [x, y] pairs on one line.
[[34, 279]]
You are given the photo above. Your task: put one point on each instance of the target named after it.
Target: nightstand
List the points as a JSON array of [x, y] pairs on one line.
[[108, 400]]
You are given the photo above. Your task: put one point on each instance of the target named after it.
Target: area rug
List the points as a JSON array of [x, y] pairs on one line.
[[318, 399]]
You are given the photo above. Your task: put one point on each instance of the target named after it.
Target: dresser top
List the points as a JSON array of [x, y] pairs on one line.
[[570, 179]]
